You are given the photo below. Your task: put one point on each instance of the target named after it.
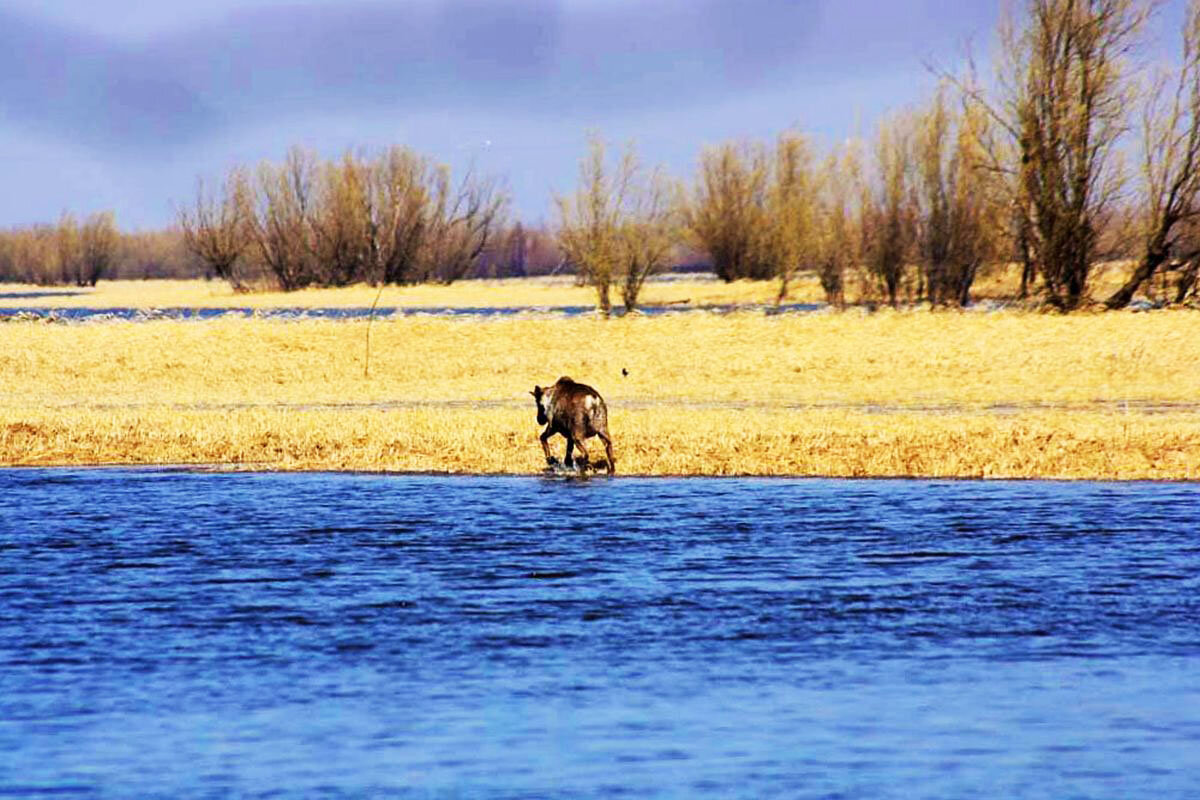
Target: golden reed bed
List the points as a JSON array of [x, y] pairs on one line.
[[560, 290], [1112, 396], [499, 293]]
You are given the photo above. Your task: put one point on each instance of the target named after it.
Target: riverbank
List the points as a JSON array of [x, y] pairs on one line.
[[1106, 396], [1055, 445], [539, 292], [675, 290]]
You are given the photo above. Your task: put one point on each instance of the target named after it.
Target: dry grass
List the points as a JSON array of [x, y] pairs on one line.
[[649, 441], [513, 292], [890, 359], [536, 292], [1009, 394]]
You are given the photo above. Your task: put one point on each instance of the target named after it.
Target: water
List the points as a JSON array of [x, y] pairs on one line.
[[167, 633], [66, 315]]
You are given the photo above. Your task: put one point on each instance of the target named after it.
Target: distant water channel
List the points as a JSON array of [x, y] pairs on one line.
[[178, 634], [299, 313]]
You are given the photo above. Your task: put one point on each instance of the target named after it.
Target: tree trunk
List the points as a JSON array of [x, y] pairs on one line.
[[783, 288], [1028, 266], [1146, 268], [966, 279], [1187, 279], [603, 300], [630, 291]]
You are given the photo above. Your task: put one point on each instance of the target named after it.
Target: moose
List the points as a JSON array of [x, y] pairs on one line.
[[576, 411]]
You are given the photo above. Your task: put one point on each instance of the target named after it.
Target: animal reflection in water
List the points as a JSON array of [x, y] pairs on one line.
[[577, 412]]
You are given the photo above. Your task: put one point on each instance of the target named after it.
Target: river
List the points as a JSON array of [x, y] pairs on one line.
[[184, 633]]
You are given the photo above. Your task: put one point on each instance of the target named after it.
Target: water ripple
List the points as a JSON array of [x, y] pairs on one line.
[[176, 633]]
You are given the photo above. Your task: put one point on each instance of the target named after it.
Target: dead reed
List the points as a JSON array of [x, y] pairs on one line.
[[536, 292], [994, 283], [997, 395], [650, 441]]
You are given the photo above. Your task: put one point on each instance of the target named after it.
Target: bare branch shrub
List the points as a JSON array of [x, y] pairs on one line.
[[155, 254], [69, 249], [397, 215], [618, 225], [888, 218], [726, 210], [98, 248], [461, 223], [340, 221], [215, 227], [279, 218], [1170, 164], [790, 209], [522, 250], [955, 199], [648, 234], [30, 255], [835, 237], [1063, 103], [590, 220]]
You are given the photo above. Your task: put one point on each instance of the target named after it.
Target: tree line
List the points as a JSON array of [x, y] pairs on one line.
[[1029, 168], [395, 217], [1070, 155], [79, 253]]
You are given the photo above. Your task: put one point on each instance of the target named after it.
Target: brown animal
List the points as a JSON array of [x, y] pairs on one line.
[[577, 412]]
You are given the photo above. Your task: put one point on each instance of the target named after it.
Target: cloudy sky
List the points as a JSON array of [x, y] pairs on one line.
[[108, 104]]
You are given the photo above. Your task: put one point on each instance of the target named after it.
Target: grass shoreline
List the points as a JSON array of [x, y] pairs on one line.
[[674, 290], [841, 445], [1005, 395], [252, 469]]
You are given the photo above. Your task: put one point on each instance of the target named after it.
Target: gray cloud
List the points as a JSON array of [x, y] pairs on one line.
[[520, 56], [83, 88]]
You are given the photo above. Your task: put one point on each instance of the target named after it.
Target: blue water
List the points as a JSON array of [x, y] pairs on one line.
[[177, 634], [145, 315]]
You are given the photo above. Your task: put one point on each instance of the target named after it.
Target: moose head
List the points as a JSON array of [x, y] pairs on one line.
[[538, 393]]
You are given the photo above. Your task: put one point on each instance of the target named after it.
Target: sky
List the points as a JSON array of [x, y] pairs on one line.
[[122, 106]]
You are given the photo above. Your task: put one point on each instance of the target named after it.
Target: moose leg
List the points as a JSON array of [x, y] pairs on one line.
[[582, 461], [546, 434], [608, 453], [567, 461]]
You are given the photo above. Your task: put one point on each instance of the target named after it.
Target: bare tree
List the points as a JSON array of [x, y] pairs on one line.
[[648, 233], [340, 219], [69, 248], [30, 255], [1063, 102], [954, 200], [726, 211], [835, 237], [543, 256], [280, 218], [214, 226], [461, 225], [618, 225], [790, 209], [393, 218], [515, 258], [590, 219], [98, 247], [9, 256], [887, 208], [1170, 144], [1185, 261], [397, 214], [38, 253], [146, 255]]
